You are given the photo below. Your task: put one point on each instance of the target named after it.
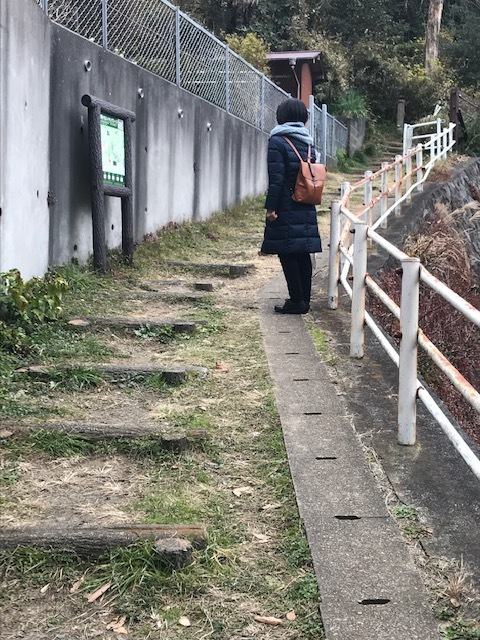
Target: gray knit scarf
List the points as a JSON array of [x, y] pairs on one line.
[[296, 130]]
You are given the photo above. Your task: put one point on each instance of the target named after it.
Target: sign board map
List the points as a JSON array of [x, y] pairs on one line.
[[113, 150]]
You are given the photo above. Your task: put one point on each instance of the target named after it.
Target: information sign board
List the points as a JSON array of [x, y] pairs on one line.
[[113, 150]]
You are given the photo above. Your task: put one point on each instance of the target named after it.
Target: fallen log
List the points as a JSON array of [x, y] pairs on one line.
[[172, 374], [134, 324], [175, 296], [234, 269], [171, 440], [174, 543]]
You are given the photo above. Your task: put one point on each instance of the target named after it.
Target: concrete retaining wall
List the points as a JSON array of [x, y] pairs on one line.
[[356, 128], [182, 170]]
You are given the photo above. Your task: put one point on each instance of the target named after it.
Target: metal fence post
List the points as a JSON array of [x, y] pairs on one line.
[[334, 257], [262, 104], [227, 79], [105, 24], [311, 108], [419, 175], [324, 133], [45, 6], [407, 388], [383, 189], [398, 178], [408, 171], [357, 333], [177, 47]]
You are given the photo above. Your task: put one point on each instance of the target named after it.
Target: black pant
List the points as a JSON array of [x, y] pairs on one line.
[[297, 268]]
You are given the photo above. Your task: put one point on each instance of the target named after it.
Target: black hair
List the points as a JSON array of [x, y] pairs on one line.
[[292, 110]]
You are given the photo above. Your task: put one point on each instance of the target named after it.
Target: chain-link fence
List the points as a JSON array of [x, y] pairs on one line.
[[160, 38], [329, 134]]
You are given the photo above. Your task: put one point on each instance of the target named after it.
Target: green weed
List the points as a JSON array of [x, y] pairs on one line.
[[462, 630], [163, 334], [409, 521], [75, 379], [58, 444]]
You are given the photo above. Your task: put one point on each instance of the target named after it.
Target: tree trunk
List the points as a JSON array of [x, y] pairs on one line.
[[432, 34]]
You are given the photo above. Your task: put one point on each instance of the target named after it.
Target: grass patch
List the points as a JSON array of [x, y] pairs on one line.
[[321, 343]]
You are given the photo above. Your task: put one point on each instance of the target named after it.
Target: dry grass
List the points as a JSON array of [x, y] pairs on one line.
[[257, 560], [443, 252]]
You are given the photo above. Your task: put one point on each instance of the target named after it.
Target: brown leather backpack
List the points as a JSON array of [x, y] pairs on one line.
[[310, 179]]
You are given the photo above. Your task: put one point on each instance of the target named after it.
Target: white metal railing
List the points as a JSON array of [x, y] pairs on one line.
[[409, 139], [396, 182]]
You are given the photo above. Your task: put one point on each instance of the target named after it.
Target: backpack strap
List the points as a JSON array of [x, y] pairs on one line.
[[309, 156]]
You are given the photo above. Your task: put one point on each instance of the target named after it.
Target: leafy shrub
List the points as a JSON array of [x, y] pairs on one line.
[[252, 48], [351, 104], [31, 302]]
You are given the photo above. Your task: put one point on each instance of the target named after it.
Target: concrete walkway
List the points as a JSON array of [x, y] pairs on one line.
[[369, 586]]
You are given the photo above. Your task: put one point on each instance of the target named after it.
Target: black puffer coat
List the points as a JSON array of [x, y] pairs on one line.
[[295, 230]]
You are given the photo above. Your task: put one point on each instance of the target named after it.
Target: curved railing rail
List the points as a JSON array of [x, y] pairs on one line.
[[396, 182]]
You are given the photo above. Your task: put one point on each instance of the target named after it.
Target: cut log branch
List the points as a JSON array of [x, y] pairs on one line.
[[235, 270], [172, 374], [174, 543], [134, 324], [170, 440]]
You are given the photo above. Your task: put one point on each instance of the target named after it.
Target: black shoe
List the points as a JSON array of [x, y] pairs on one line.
[[291, 307]]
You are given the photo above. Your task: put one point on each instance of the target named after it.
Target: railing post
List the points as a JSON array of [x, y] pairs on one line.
[[408, 171], [443, 146], [334, 256], [227, 79], [419, 175], [178, 77], [344, 188], [433, 153], [405, 137], [398, 186], [104, 23], [367, 194], [324, 133], [357, 332], [384, 200], [439, 138], [407, 388], [311, 122]]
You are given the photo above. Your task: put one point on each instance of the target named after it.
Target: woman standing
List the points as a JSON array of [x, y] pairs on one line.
[[291, 229]]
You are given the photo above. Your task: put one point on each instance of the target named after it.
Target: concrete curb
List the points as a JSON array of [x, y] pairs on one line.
[[369, 586]]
